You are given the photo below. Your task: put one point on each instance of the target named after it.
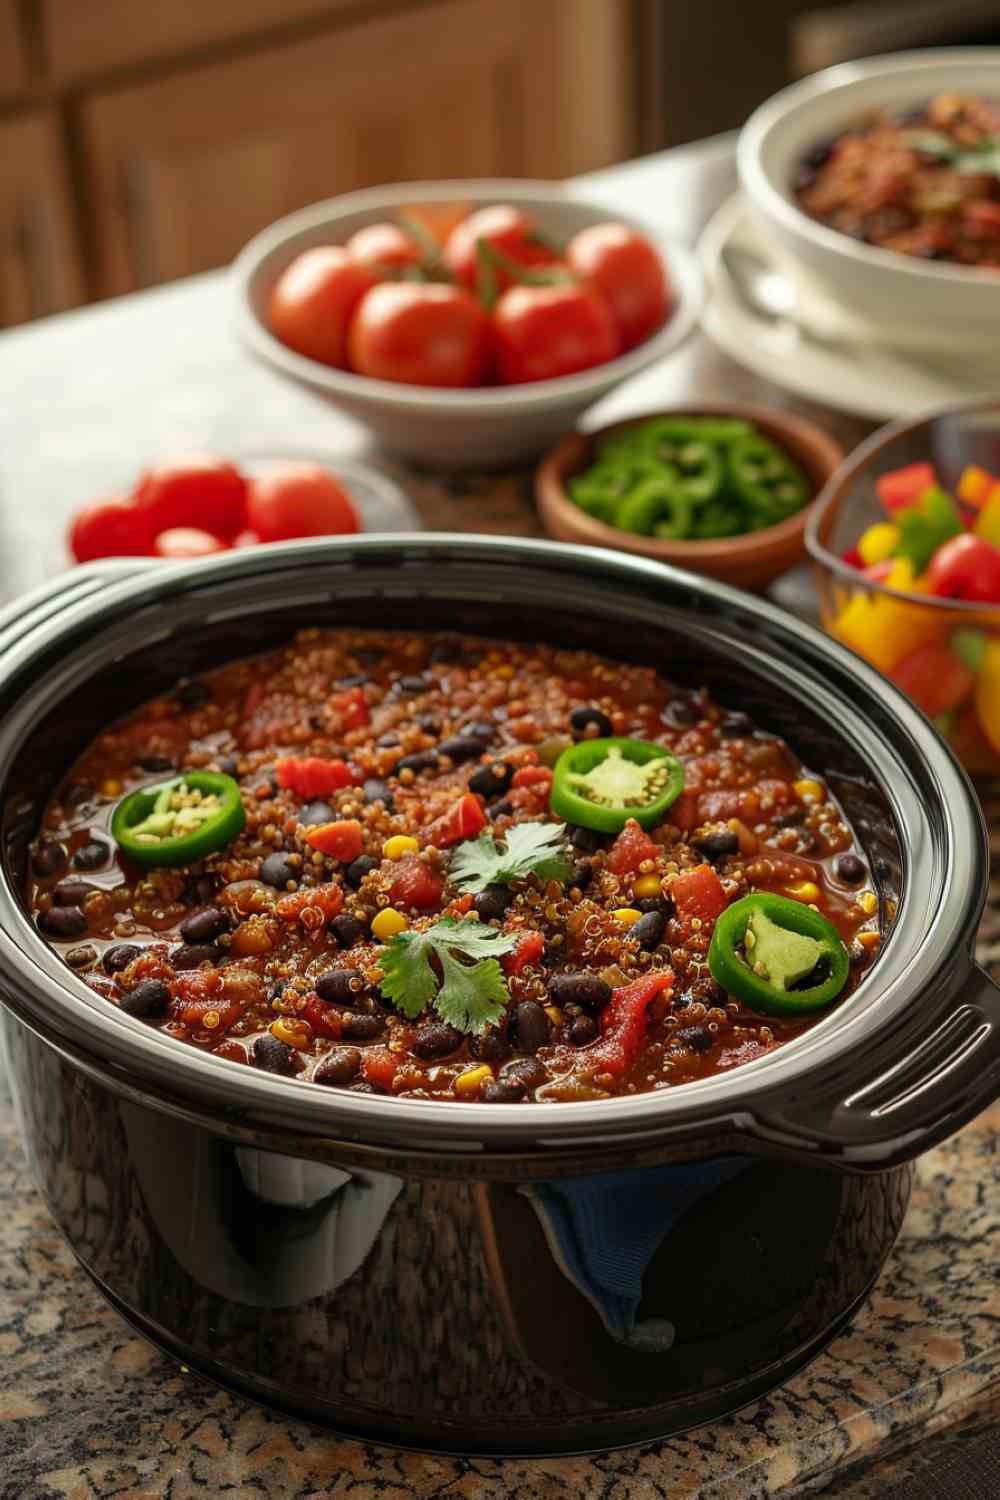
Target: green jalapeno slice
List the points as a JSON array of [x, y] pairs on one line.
[[766, 479], [778, 956], [178, 822], [601, 784]]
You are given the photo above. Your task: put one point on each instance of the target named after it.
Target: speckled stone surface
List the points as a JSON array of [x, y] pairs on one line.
[[89, 1409]]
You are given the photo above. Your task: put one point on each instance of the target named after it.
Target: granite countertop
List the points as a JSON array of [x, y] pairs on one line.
[[87, 1408]]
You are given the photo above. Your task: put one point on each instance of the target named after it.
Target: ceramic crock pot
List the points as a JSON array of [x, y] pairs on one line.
[[521, 1279]]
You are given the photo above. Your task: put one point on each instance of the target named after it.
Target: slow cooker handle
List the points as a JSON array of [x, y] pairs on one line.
[[25, 613], [944, 1078]]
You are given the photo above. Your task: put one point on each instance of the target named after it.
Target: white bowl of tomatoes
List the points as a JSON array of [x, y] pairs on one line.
[[466, 323]]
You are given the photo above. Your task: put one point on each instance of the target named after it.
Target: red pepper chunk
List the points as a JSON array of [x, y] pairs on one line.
[[312, 776], [379, 1067], [463, 820], [528, 951], [415, 883], [624, 1021], [630, 848], [539, 776], [699, 893], [323, 1017], [342, 840], [352, 708], [904, 487]]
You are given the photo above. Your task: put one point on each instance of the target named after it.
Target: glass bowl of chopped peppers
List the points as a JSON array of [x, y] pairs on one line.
[[720, 489], [906, 539]]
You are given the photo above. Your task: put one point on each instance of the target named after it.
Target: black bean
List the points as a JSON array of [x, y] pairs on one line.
[[356, 679], [228, 765], [276, 988], [850, 869], [789, 819], [429, 723], [387, 740], [462, 747], [273, 1056], [316, 812], [820, 154], [445, 651], [527, 1070], [63, 922], [648, 931], [202, 926], [583, 874], [421, 760], [82, 958], [697, 1037], [493, 902], [480, 729], [410, 684], [199, 890], [501, 809], [71, 892], [582, 719], [532, 1027], [435, 1040], [718, 844], [192, 694], [681, 712], [681, 1002], [359, 868], [119, 957], [491, 780], [581, 1030], [276, 870], [588, 990], [375, 790], [193, 955], [149, 998], [587, 840], [91, 855], [340, 986], [339, 1067], [363, 1028], [552, 954], [502, 1091], [49, 858], [490, 1045], [736, 726], [346, 929], [653, 903]]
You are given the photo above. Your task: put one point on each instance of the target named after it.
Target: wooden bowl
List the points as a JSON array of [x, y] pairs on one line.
[[750, 562]]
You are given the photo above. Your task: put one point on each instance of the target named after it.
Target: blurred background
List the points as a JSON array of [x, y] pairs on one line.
[[143, 143]]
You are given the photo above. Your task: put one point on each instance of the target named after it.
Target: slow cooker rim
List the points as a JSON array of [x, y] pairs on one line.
[[114, 1036]]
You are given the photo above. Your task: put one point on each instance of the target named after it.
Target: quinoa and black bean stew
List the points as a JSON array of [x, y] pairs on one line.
[[454, 868]]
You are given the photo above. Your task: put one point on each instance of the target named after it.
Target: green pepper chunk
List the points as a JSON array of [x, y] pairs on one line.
[[926, 526], [765, 946], [179, 821], [719, 518], [601, 489], [770, 484], [658, 505], [601, 784]]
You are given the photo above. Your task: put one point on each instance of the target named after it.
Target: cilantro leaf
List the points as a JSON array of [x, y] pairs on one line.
[[471, 995], [531, 849]]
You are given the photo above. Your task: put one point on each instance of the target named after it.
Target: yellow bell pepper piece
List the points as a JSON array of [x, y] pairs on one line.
[[878, 542], [882, 629], [988, 521], [987, 696], [974, 485]]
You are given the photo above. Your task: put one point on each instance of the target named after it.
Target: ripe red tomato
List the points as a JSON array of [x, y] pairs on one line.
[[383, 247], [187, 541], [246, 538], [507, 230], [196, 490], [109, 528], [934, 678], [415, 883], [699, 893], [628, 273], [299, 499], [463, 820], [966, 567], [314, 300], [545, 331], [420, 334], [341, 840], [630, 848]]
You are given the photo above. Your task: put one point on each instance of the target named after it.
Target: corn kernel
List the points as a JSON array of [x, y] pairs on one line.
[[398, 845], [869, 939], [554, 1014], [868, 901], [472, 1081], [878, 543], [808, 791], [111, 787], [388, 923], [625, 916], [646, 886], [803, 890]]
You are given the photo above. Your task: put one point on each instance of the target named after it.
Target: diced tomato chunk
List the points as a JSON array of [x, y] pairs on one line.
[[904, 487], [698, 893], [312, 776], [630, 848], [624, 1021], [323, 1017], [416, 883], [342, 840], [463, 820], [684, 814], [379, 1067], [528, 951], [352, 707], [536, 776], [934, 678]]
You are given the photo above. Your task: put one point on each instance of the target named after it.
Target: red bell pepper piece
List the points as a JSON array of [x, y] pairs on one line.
[[416, 883], [352, 708], [698, 893], [342, 840], [463, 820], [624, 1021], [323, 1017], [966, 567], [934, 678], [528, 951], [852, 557], [538, 776], [630, 848], [311, 775], [904, 487], [379, 1067]]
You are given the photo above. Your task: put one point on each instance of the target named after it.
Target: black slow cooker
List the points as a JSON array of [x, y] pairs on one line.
[[525, 1279]]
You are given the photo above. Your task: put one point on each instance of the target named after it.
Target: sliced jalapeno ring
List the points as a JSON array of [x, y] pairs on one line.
[[659, 504], [702, 471], [179, 821], [766, 949], [766, 479], [720, 518], [601, 784]]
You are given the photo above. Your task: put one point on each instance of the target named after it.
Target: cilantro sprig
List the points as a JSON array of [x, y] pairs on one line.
[[530, 849], [984, 157], [467, 988]]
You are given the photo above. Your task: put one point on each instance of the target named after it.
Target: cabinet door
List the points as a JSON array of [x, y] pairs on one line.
[[13, 63], [182, 171], [39, 266]]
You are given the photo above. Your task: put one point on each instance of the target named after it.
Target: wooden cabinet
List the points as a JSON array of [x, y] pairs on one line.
[[39, 268], [182, 170], [14, 70]]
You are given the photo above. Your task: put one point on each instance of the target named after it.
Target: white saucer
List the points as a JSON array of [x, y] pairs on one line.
[[863, 378]]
